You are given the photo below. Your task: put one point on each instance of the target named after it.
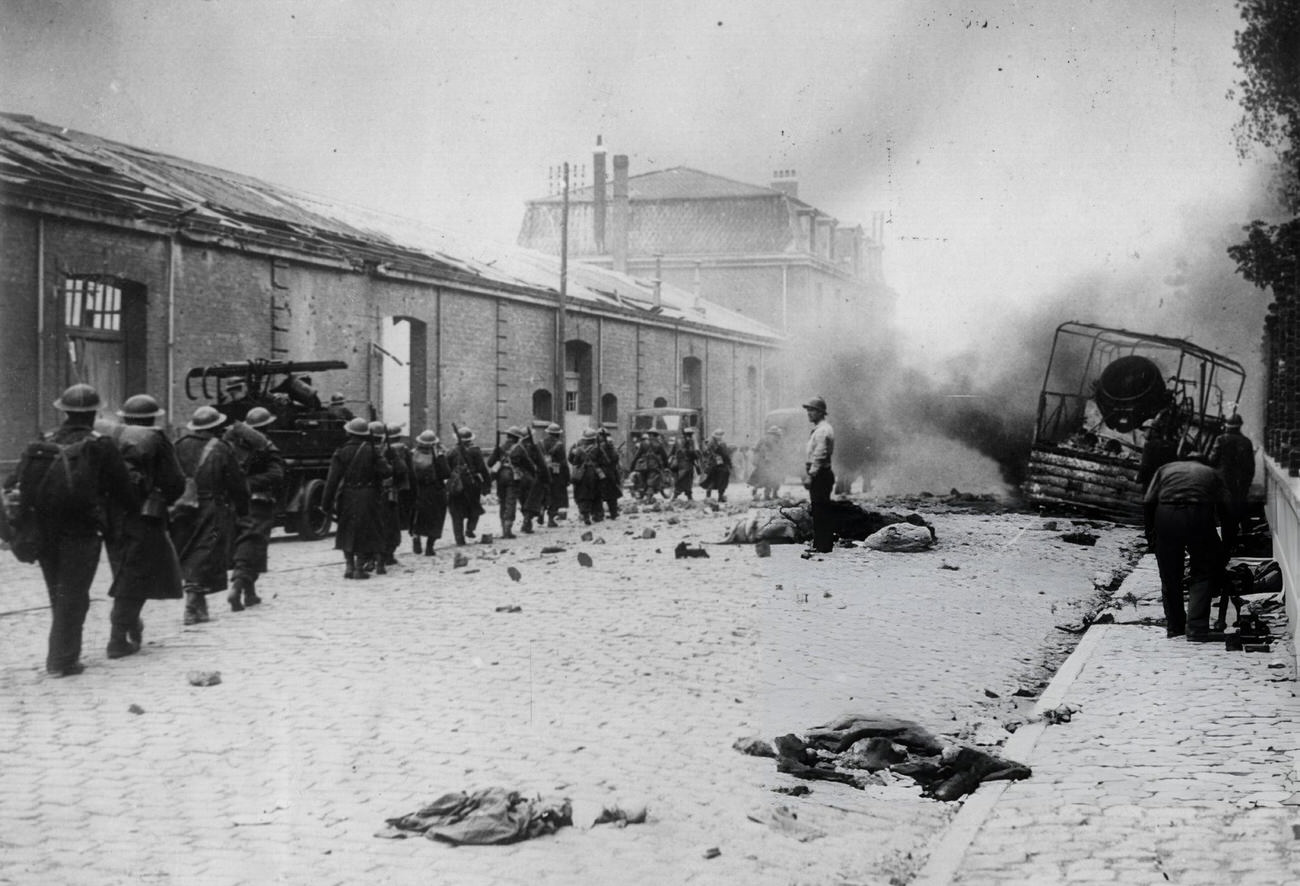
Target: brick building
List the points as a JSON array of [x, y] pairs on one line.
[[125, 268], [757, 250]]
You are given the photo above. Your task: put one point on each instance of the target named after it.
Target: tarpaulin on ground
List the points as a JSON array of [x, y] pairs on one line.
[[492, 815], [858, 742]]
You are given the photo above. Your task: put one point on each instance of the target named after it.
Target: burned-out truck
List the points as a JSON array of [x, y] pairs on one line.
[[1114, 405], [305, 431]]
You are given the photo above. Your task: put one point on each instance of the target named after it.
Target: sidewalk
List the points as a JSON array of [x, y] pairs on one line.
[[1181, 765]]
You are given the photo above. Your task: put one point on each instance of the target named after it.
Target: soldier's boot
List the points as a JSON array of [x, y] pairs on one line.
[[234, 598], [428, 547], [380, 567], [250, 592], [508, 530], [527, 528], [136, 634], [119, 643], [196, 608], [415, 545]]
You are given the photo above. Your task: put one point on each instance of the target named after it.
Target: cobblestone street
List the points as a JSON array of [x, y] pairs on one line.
[[345, 703]]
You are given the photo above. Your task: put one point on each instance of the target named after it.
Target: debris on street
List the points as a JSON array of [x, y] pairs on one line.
[[754, 747], [203, 678], [488, 816], [683, 551], [510, 608], [620, 817], [900, 538], [514, 573]]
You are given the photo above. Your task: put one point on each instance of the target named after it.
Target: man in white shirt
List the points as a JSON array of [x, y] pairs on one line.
[[819, 478]]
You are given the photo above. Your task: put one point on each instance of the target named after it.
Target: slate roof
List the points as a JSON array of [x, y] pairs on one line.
[[51, 169]]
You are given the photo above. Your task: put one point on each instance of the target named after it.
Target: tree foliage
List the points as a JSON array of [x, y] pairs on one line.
[[1268, 49]]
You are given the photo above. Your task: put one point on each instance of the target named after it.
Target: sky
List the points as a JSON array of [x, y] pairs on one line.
[[1025, 155]]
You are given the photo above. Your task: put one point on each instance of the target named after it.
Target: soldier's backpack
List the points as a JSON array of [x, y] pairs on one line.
[[55, 482]]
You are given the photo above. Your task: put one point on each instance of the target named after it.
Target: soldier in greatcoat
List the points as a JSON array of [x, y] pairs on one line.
[[1233, 456], [684, 461], [611, 488], [716, 457], [140, 550], [588, 472], [429, 474], [507, 498], [397, 500], [264, 469], [70, 540], [557, 498], [204, 535], [648, 464], [532, 479], [469, 477], [766, 476], [354, 493]]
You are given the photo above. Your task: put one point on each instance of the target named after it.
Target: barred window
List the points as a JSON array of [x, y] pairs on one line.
[[92, 303]]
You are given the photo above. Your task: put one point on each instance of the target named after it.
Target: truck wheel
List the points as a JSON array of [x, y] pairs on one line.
[[313, 522]]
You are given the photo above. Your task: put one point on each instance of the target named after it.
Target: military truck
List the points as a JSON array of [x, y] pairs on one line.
[[1114, 404], [305, 431]]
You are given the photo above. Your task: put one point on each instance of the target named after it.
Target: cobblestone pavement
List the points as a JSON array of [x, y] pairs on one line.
[[345, 703], [1181, 765]]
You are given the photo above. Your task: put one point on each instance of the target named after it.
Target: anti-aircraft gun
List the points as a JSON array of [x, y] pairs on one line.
[[1114, 405], [306, 432]]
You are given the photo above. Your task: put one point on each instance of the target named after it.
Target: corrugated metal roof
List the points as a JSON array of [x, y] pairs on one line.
[[51, 167]]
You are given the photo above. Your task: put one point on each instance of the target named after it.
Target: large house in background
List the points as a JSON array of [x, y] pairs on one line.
[[125, 267], [760, 251]]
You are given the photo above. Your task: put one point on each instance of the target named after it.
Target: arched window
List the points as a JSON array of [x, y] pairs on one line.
[[609, 409], [542, 404], [692, 382]]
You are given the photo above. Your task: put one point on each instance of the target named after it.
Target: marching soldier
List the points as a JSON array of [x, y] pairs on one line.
[[766, 476], [204, 530], [140, 551], [716, 458], [648, 465], [684, 461], [354, 490], [588, 473], [557, 498], [263, 469], [397, 497], [469, 476], [429, 473], [532, 479], [507, 495], [611, 488]]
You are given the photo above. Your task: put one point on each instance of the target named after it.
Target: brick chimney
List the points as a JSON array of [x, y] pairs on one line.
[[619, 221], [598, 196], [786, 181]]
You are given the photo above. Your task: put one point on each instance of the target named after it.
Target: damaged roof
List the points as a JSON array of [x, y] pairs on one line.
[[51, 169]]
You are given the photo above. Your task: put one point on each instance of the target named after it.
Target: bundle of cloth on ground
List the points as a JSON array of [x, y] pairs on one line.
[[861, 742], [794, 524], [491, 815]]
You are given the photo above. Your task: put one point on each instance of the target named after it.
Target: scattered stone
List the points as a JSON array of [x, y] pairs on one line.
[[754, 747], [599, 541], [1049, 525], [584, 559], [1059, 714], [763, 548], [553, 549], [647, 533], [683, 551], [949, 566], [991, 694], [620, 817], [203, 678], [511, 608], [485, 538], [587, 536], [712, 852], [514, 573], [802, 790], [1087, 539], [1024, 692], [459, 560], [673, 521], [900, 538], [135, 709], [985, 732]]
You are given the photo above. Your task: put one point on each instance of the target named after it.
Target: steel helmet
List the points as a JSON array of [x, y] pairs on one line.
[[426, 438], [553, 428], [140, 406], [259, 416], [205, 417], [78, 398], [358, 427], [589, 433], [816, 403], [336, 399], [394, 430], [466, 435], [515, 431], [377, 429], [717, 435], [1234, 421]]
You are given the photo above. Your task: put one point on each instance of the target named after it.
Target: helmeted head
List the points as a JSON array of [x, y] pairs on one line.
[[466, 435], [141, 408], [690, 432], [589, 434], [514, 432], [717, 434], [816, 404], [1234, 421], [337, 400], [655, 432], [259, 416], [776, 430], [78, 398], [377, 429], [205, 418], [358, 427], [554, 430], [393, 431], [426, 440]]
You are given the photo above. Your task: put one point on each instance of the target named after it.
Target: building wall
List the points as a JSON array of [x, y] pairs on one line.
[[486, 354]]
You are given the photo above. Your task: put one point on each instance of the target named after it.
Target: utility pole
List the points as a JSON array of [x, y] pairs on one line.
[[561, 386]]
